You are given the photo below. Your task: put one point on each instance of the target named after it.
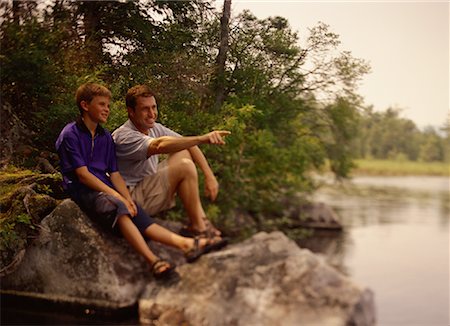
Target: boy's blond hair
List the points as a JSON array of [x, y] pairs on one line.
[[88, 91]]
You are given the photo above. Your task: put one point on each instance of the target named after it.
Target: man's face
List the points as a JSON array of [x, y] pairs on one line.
[[98, 109], [145, 113]]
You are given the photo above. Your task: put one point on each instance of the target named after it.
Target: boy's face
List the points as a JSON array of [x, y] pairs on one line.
[[144, 114], [98, 109]]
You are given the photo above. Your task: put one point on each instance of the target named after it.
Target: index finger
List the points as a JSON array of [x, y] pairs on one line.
[[224, 132]]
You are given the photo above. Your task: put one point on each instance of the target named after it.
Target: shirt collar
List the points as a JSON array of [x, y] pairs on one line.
[[80, 124], [131, 125]]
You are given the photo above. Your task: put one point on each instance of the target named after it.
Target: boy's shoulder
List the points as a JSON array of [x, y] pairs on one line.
[[69, 129], [75, 128], [68, 132]]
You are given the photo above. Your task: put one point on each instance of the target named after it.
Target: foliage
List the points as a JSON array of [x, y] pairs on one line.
[[386, 135], [254, 170], [291, 107], [343, 127]]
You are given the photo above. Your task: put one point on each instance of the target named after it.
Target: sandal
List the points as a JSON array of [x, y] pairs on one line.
[[165, 273], [211, 245]]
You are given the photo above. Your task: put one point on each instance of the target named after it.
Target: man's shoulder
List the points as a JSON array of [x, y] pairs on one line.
[[126, 135], [124, 128], [119, 132]]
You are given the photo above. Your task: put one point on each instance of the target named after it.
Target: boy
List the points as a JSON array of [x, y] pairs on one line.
[[90, 176]]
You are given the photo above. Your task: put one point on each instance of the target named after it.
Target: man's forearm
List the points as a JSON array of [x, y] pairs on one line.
[[200, 161], [211, 184], [168, 144]]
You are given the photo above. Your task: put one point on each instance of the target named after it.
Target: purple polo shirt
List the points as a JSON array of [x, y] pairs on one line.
[[77, 148]]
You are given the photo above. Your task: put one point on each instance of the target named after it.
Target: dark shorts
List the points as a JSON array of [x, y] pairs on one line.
[[105, 210]]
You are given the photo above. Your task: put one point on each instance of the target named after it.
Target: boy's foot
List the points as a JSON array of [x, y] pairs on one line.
[[203, 246], [162, 269]]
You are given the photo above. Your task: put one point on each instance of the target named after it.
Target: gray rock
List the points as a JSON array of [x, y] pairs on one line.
[[72, 261], [266, 280], [313, 215]]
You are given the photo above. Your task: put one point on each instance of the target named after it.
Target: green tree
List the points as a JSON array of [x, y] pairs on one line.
[[446, 139], [33, 75], [431, 149], [388, 136], [343, 128]]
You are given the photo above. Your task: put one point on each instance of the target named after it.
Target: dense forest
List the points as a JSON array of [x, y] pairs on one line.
[[292, 106], [386, 135]]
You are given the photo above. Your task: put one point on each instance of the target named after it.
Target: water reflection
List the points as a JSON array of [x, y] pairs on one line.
[[331, 244], [396, 242]]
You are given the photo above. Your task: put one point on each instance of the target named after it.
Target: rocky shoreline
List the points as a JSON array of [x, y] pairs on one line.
[[265, 280]]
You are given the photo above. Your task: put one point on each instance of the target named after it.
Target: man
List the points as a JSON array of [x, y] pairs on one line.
[[91, 178], [153, 185]]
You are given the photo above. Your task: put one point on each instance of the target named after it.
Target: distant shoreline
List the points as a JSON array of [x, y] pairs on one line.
[[399, 168]]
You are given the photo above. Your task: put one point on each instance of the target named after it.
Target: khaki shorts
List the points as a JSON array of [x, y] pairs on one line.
[[152, 193]]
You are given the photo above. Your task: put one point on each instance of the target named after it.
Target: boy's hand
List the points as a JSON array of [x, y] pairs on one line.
[[131, 206]]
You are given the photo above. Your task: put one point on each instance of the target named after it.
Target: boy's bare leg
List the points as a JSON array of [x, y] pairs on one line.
[[183, 180], [133, 236]]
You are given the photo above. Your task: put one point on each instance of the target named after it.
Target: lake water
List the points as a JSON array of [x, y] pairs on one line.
[[396, 242]]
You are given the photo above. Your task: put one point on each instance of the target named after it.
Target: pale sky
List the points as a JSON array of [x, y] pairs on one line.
[[405, 42]]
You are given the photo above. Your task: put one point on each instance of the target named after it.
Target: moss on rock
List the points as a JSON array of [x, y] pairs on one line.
[[26, 197]]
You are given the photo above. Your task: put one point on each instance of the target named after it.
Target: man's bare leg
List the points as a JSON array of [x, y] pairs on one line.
[[160, 234], [183, 179]]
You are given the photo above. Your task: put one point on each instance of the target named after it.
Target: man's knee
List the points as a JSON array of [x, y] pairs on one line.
[[181, 168], [184, 154], [182, 164], [187, 167]]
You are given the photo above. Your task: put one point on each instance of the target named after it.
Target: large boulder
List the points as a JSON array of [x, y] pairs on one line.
[[265, 280], [73, 261]]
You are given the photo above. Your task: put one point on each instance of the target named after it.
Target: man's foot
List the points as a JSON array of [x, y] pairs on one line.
[[211, 228], [210, 231], [202, 246]]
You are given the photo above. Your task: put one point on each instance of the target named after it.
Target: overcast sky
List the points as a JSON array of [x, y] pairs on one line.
[[405, 42]]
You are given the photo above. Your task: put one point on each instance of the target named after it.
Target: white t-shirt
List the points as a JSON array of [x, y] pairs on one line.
[[131, 151]]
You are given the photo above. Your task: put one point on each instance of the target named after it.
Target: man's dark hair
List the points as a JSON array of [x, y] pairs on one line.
[[135, 92]]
